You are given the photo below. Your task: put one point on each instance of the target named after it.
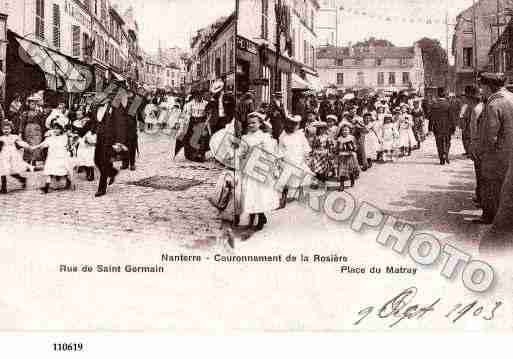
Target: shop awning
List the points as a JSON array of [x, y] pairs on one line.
[[118, 77], [61, 72], [314, 81], [298, 83]]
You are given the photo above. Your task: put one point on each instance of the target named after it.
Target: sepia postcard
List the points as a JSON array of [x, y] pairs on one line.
[[254, 166]]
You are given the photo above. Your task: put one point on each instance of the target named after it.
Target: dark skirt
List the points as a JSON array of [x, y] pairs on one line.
[[348, 166]]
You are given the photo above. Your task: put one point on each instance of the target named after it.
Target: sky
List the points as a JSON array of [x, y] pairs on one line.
[[402, 33], [173, 21]]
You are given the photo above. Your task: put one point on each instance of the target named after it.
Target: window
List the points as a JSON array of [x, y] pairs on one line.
[[40, 19], [265, 20], [104, 10], [305, 52], [231, 54], [340, 78], [87, 4], [468, 57], [56, 26], [381, 78], [85, 45], [96, 7], [391, 78], [361, 78], [339, 62], [76, 40], [406, 78], [223, 57], [379, 62], [403, 61]]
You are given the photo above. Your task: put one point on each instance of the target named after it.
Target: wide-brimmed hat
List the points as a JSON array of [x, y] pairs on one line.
[[6, 122], [318, 124], [256, 114], [345, 123], [295, 118], [332, 117], [217, 86], [492, 78]]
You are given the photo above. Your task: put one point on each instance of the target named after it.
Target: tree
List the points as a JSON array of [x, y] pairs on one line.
[[436, 64], [374, 42]]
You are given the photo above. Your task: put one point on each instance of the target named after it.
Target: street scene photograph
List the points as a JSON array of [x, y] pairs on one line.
[[256, 165]]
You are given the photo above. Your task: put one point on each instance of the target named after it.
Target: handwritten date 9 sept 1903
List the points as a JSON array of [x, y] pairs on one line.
[[399, 308]]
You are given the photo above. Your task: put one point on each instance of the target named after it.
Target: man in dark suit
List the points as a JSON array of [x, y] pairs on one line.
[[277, 115], [111, 131], [441, 122]]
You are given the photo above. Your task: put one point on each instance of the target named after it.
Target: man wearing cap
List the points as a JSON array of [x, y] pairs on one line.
[[441, 121], [277, 115], [496, 141]]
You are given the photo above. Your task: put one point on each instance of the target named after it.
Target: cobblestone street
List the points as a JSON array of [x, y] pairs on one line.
[[129, 210]]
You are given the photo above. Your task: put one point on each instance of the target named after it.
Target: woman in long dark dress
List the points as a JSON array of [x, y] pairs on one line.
[[31, 128]]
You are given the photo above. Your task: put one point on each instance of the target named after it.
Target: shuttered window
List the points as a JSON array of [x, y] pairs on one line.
[[56, 26], [86, 51], [76, 40], [40, 19]]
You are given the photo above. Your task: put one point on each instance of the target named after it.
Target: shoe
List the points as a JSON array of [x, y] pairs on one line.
[[132, 168], [251, 221], [442, 162], [100, 193], [3, 191], [447, 160], [68, 184], [262, 221], [113, 177], [45, 188], [482, 221]]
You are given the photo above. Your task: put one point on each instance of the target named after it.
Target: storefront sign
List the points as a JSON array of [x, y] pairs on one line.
[[260, 82], [246, 45]]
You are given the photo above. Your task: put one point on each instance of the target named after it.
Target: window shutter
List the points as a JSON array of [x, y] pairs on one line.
[[56, 26], [76, 40], [40, 19]]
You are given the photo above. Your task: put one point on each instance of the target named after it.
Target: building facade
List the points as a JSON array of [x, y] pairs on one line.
[[91, 31], [473, 40], [386, 68], [501, 53], [262, 66], [217, 56], [328, 23]]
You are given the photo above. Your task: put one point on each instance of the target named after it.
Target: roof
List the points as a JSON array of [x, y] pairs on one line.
[[395, 52]]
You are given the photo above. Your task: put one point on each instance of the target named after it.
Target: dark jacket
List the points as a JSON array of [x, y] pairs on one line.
[[277, 118], [441, 118]]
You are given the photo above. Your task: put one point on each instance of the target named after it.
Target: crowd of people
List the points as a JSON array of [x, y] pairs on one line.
[[331, 137], [328, 137]]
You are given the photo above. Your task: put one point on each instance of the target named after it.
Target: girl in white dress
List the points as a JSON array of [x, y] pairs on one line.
[[406, 135], [11, 158], [295, 149], [372, 138], [151, 114], [58, 162], [389, 136], [257, 197]]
